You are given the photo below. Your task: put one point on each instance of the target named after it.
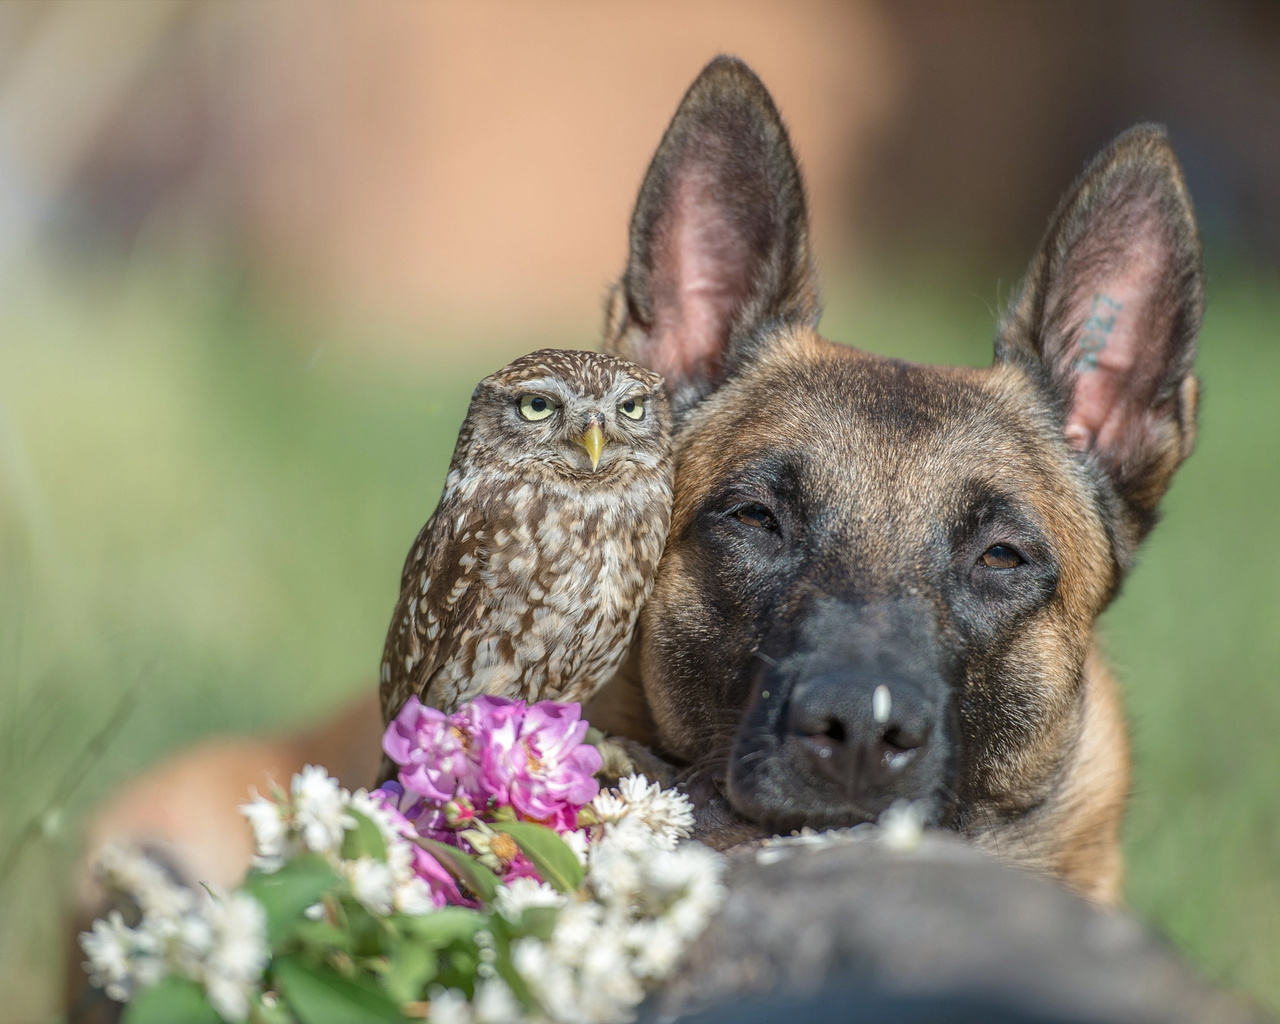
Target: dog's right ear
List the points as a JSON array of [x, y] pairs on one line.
[[719, 239], [1107, 318]]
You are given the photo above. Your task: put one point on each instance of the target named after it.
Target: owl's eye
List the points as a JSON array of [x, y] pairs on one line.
[[535, 407], [632, 408]]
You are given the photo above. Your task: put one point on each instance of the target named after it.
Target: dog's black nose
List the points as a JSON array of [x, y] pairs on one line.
[[861, 731]]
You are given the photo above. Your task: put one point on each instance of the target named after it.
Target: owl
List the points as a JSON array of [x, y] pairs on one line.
[[528, 579]]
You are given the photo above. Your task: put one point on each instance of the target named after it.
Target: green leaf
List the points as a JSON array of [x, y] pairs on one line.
[[365, 840], [367, 931], [442, 927], [286, 893], [275, 1013], [539, 922], [466, 869], [412, 966], [322, 936], [171, 1001], [549, 854], [502, 935], [318, 996], [504, 813]]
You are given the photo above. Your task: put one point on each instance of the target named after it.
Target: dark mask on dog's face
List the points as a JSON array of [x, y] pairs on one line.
[[881, 578]]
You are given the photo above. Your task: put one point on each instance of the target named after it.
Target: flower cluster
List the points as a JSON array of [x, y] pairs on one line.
[[216, 941], [492, 881], [316, 816], [645, 898]]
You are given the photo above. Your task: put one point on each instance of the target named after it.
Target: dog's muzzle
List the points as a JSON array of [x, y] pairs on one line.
[[854, 718]]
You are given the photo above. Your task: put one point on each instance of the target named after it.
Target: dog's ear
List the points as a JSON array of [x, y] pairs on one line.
[[719, 239], [1107, 318]]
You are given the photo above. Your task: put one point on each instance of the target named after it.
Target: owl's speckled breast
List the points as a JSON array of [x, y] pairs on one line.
[[564, 580], [558, 574]]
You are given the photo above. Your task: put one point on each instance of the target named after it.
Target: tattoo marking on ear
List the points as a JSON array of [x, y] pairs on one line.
[[1097, 330]]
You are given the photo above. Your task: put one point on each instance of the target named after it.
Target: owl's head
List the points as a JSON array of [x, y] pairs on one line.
[[582, 414]]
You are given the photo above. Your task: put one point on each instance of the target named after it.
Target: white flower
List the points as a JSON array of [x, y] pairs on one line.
[[609, 806], [239, 925], [606, 973], [689, 868], [414, 897], [577, 928], [494, 1003], [667, 816], [229, 996], [195, 939], [521, 894], [372, 884], [655, 948], [579, 842], [270, 832], [320, 809], [450, 1006], [629, 833], [149, 964], [107, 946], [582, 975], [615, 875], [234, 965], [361, 801], [668, 813], [121, 959], [159, 897], [689, 877], [902, 825]]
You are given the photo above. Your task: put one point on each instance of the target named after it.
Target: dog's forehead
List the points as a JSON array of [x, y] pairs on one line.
[[861, 433]]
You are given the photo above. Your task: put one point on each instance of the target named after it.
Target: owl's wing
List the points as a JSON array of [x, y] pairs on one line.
[[440, 598]]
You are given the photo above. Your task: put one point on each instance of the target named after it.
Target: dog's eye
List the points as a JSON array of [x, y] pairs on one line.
[[756, 515], [1001, 556], [632, 408], [535, 407]]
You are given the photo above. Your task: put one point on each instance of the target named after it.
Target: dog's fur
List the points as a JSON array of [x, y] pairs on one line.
[[833, 512], [836, 511]]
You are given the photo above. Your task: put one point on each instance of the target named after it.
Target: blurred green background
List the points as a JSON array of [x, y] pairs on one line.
[[238, 331]]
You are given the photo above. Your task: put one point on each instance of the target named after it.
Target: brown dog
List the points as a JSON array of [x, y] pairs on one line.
[[881, 579]]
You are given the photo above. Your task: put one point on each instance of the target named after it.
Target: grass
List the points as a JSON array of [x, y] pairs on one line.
[[201, 508]]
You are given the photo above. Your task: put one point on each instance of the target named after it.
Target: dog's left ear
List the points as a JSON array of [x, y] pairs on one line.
[[719, 240], [1107, 318]]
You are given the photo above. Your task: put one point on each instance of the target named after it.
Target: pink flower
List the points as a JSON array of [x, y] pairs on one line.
[[432, 753], [538, 763], [492, 753]]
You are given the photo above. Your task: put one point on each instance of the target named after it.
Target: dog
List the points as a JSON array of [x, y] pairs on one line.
[[882, 579]]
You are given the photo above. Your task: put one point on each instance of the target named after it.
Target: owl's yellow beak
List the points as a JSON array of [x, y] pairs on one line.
[[592, 440]]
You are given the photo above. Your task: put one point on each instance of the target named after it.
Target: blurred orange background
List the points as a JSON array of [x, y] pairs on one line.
[[470, 166]]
